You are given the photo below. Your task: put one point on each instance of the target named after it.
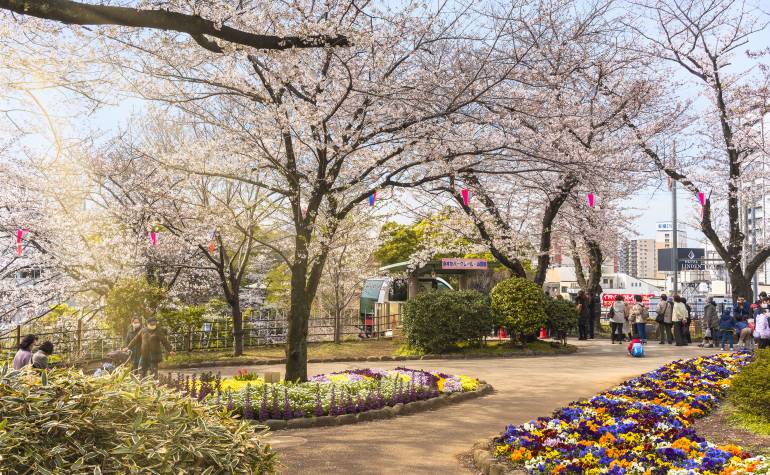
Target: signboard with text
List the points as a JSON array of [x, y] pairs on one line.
[[690, 258], [665, 226], [608, 299], [457, 263]]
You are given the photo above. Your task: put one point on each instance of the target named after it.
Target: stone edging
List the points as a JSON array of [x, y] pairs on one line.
[[486, 463], [387, 412], [263, 362]]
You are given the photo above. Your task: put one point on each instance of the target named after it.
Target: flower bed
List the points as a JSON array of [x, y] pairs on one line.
[[639, 427], [334, 394]]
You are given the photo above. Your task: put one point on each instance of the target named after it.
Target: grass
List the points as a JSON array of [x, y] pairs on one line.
[[751, 422], [352, 349]]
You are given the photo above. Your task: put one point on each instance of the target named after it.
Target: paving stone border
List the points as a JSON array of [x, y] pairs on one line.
[[487, 464], [387, 412], [565, 350]]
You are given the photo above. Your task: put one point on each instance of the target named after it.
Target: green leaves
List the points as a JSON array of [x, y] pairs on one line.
[[519, 306], [118, 424]]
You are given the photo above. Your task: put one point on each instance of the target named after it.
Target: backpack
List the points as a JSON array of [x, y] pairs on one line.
[[637, 351]]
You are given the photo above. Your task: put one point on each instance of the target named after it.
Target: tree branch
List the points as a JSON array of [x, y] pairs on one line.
[[78, 13]]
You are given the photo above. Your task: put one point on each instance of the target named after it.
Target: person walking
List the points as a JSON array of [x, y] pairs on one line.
[[40, 358], [150, 342], [710, 324], [727, 325], [583, 311], [23, 356], [762, 330], [638, 318], [664, 310], [678, 317], [135, 329], [617, 317]]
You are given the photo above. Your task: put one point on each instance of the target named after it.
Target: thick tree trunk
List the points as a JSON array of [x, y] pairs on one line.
[[299, 316], [741, 286]]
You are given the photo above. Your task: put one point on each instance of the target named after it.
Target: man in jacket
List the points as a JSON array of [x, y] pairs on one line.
[[150, 342], [665, 309]]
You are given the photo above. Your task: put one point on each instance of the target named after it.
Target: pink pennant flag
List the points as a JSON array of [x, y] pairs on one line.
[[466, 196], [19, 237], [702, 198], [591, 200], [154, 238], [372, 198]]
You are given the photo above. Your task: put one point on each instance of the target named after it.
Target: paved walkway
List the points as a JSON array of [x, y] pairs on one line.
[[429, 442]]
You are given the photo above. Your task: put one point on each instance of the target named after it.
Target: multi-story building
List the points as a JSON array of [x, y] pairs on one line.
[[637, 258]]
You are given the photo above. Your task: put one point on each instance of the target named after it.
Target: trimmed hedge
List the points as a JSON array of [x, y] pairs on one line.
[[437, 321], [562, 316], [518, 305]]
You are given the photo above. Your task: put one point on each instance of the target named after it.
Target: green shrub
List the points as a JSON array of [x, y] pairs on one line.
[[437, 321], [66, 422], [131, 297], [561, 314], [182, 319], [750, 389], [518, 305]]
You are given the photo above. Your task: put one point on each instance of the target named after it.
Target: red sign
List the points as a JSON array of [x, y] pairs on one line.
[[609, 299], [456, 263]]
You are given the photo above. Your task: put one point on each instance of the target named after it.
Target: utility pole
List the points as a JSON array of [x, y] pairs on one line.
[[675, 247], [754, 284]]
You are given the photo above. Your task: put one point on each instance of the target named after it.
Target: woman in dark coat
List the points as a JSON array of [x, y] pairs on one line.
[[135, 329], [150, 342]]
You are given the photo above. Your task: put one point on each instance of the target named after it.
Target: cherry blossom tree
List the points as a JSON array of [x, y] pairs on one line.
[[720, 151]]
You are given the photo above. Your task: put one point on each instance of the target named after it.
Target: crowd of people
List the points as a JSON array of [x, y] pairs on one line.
[[743, 324]]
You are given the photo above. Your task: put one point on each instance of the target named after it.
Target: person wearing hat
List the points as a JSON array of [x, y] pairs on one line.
[[150, 343]]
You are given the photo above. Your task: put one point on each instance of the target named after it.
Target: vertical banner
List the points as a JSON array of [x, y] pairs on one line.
[[591, 200], [212, 246], [19, 237], [465, 193], [372, 198]]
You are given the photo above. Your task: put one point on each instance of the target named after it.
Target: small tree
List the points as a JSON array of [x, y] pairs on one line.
[[437, 321], [519, 306], [562, 317], [131, 297]]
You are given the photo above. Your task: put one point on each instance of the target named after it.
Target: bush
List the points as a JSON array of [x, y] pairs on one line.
[[750, 389], [71, 423], [182, 319], [518, 305], [437, 321], [561, 315], [129, 298]]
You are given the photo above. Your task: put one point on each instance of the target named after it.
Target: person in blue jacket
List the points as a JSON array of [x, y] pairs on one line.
[[741, 309], [727, 325]]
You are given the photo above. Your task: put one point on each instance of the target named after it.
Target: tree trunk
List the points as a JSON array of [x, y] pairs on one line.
[[235, 309], [299, 316], [741, 286], [337, 318]]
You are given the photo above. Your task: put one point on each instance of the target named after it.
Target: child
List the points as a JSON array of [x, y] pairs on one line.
[[727, 325], [635, 348], [40, 358]]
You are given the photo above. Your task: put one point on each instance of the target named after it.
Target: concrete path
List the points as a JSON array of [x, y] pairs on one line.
[[430, 442]]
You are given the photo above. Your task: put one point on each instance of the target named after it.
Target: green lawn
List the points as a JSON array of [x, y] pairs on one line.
[[353, 349]]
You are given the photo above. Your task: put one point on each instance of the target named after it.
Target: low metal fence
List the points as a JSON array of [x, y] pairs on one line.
[[76, 341]]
